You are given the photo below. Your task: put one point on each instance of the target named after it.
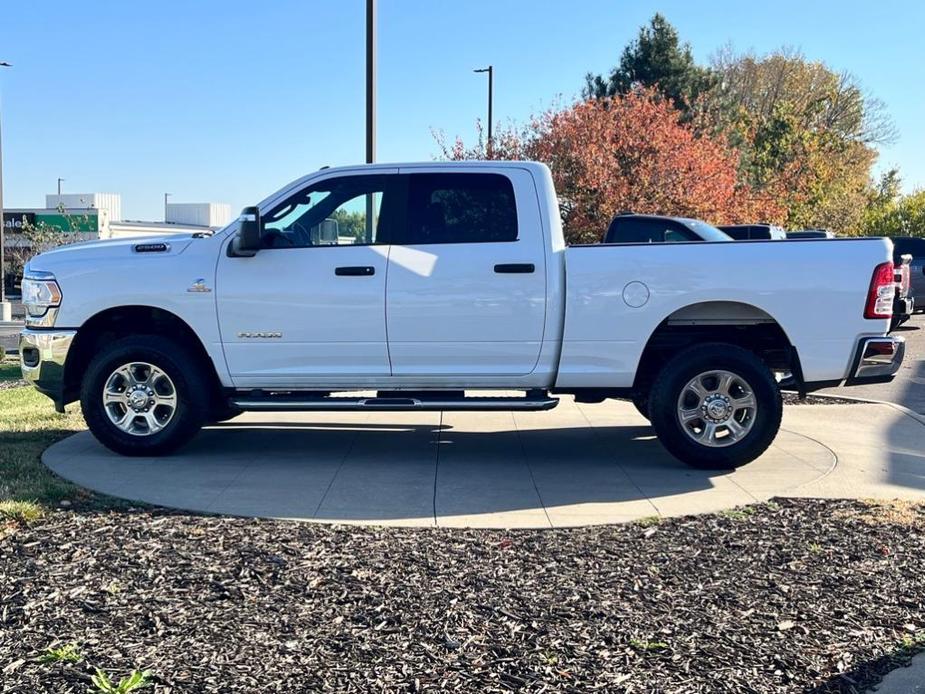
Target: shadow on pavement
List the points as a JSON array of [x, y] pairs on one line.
[[379, 472]]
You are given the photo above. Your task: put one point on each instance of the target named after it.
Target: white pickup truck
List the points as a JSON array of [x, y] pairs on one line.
[[421, 287]]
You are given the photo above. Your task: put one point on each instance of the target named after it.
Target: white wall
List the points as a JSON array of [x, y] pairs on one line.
[[206, 214]]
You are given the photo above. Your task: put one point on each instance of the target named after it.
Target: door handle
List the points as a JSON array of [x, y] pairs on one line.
[[515, 268], [355, 271]]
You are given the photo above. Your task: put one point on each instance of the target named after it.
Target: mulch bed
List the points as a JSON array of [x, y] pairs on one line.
[[794, 399], [795, 595]]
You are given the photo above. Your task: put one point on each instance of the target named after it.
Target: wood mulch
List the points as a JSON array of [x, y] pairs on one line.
[[790, 596]]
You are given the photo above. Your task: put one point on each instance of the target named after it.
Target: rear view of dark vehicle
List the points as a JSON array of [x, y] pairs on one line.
[[915, 247], [903, 301]]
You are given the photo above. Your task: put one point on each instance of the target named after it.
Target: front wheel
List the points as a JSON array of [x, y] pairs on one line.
[[144, 395], [716, 406]]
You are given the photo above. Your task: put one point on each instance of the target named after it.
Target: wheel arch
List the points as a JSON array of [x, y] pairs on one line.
[[734, 322], [121, 321]]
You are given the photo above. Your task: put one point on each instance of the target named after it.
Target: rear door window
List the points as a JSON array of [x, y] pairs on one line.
[[459, 208]]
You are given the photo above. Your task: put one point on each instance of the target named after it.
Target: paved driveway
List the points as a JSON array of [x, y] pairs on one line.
[[9, 336], [575, 465]]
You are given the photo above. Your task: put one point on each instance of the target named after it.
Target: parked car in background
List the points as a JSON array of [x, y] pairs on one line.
[[915, 247], [750, 232], [903, 302], [811, 234], [628, 227], [456, 282]]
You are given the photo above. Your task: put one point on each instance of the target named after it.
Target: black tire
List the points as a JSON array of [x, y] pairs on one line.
[[191, 386], [641, 402], [687, 365]]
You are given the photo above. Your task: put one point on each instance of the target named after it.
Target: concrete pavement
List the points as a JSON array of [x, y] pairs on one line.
[[905, 680], [575, 465], [9, 335]]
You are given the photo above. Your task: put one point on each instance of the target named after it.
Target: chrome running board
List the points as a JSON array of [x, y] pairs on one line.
[[294, 402]]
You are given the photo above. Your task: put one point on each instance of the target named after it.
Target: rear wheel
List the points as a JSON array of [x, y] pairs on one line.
[[144, 395], [716, 406]]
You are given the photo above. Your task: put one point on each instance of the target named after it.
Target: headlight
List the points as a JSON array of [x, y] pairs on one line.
[[40, 292]]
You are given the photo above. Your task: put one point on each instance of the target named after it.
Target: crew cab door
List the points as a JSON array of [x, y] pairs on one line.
[[309, 308], [466, 292]]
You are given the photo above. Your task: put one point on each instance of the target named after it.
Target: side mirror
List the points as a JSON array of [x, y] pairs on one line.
[[247, 241]]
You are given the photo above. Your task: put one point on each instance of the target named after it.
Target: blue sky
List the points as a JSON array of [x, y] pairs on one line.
[[227, 101]]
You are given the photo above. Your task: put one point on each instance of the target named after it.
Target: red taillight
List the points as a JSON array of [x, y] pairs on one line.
[[881, 292]]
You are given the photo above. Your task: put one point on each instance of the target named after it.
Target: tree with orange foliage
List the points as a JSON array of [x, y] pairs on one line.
[[629, 152]]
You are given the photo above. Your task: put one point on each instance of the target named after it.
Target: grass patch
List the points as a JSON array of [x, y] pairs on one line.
[[739, 513], [892, 512], [9, 369], [28, 425], [68, 653], [20, 511], [648, 646], [103, 684]]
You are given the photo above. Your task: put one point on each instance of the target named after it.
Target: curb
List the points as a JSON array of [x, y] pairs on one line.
[[920, 418]]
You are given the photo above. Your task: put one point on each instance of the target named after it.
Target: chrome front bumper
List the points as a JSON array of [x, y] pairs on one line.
[[42, 356], [877, 360]]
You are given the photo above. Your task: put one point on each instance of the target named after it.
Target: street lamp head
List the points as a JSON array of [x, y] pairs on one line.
[[3, 63], [482, 69]]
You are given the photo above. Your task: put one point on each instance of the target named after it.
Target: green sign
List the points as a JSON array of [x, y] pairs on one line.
[[74, 222]]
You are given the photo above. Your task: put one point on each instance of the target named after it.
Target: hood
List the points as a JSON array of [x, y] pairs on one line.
[[109, 249]]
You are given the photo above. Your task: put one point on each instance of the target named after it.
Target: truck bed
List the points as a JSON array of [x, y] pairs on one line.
[[618, 294]]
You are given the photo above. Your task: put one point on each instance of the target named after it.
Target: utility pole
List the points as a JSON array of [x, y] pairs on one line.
[[370, 109], [491, 74], [166, 195], [6, 310], [370, 81]]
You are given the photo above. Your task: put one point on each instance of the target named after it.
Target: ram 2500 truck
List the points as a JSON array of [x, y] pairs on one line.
[[430, 284]]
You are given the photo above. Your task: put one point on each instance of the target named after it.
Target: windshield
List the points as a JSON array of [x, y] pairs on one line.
[[707, 232]]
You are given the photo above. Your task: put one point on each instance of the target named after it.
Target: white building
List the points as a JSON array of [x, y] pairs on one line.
[[99, 215], [111, 202]]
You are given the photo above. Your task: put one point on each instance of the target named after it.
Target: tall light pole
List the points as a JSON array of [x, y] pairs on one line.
[[370, 81], [491, 74], [60, 181], [4, 307], [166, 195]]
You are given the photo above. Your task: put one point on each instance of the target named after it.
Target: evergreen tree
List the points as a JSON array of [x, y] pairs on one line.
[[656, 59]]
